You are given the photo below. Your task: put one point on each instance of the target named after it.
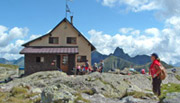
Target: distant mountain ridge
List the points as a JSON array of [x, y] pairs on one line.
[[121, 60], [139, 59], [19, 62], [3, 61]]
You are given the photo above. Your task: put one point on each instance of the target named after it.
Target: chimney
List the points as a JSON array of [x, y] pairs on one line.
[[72, 20]]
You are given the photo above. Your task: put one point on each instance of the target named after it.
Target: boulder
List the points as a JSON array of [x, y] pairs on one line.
[[131, 99], [171, 77], [58, 95], [172, 98], [6, 73], [99, 98], [36, 90]]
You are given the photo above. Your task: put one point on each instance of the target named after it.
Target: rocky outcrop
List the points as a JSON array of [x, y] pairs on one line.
[[172, 98], [7, 73], [113, 87], [172, 77], [57, 86]]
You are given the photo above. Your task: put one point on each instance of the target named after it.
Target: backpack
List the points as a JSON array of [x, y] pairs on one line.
[[163, 73]]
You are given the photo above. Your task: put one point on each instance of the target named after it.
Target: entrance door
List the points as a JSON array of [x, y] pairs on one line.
[[58, 62], [64, 63], [71, 63]]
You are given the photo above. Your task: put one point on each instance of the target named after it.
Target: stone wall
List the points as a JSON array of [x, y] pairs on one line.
[[31, 66]]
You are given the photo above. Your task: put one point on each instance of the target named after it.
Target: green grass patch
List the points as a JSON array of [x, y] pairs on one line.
[[9, 66], [168, 88], [177, 77], [137, 94], [18, 90], [18, 95], [148, 90], [89, 92], [106, 83], [80, 98]]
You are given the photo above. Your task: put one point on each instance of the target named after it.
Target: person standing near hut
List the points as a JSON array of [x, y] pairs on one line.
[[87, 66], [95, 67], [101, 66], [155, 71], [78, 70]]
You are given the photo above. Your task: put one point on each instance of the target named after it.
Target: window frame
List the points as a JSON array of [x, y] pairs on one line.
[[81, 58], [39, 59], [67, 41], [51, 40]]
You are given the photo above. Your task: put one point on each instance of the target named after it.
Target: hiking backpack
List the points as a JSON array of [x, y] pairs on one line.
[[163, 73]]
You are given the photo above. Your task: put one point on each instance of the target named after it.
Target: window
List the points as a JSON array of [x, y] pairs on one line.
[[65, 60], [53, 40], [39, 59], [71, 40], [81, 59]]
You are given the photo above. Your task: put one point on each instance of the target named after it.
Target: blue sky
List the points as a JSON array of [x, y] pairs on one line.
[[42, 15], [137, 26]]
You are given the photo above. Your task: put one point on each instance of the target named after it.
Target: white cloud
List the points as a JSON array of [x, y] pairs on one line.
[[34, 36], [7, 37], [164, 8], [165, 42], [3, 29], [168, 8], [11, 51], [135, 33], [3, 36], [18, 32], [109, 3], [11, 41], [132, 5], [129, 31], [153, 31], [125, 30]]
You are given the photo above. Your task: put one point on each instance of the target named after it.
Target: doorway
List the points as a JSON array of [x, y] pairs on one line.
[[64, 63], [58, 61], [71, 63]]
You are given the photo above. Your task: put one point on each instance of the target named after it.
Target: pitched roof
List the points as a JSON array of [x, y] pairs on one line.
[[64, 20], [50, 50]]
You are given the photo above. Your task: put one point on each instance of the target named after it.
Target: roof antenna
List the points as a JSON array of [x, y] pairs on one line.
[[67, 8], [67, 11]]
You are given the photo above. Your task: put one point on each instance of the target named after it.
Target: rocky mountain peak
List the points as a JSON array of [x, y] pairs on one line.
[[119, 51]]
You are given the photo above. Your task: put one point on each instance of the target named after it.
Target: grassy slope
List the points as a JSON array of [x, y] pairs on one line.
[[9, 66], [114, 62]]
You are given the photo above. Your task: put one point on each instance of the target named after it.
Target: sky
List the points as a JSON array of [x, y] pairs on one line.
[[137, 26]]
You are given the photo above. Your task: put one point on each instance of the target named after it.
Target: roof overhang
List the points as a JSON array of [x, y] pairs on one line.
[[50, 50]]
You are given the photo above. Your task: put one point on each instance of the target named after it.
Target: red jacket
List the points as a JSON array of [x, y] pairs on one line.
[[152, 68]]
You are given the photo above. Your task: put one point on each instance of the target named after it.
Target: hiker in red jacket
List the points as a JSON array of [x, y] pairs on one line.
[[154, 71]]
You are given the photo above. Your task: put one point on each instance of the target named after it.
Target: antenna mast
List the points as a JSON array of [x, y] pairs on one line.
[[67, 8]]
